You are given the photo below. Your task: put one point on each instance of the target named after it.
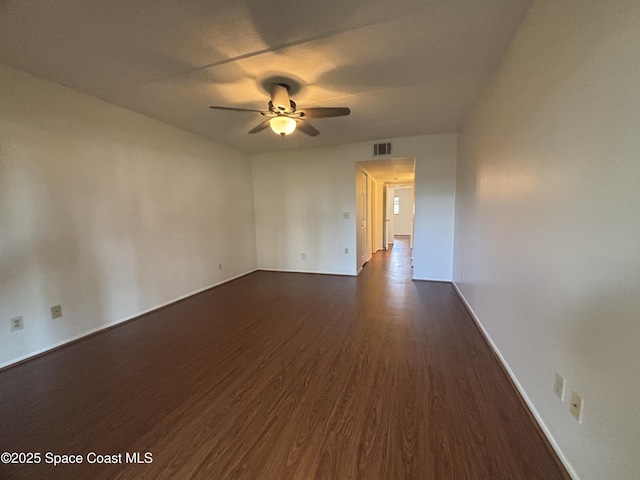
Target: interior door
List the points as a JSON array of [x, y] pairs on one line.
[[362, 203], [385, 217], [373, 247]]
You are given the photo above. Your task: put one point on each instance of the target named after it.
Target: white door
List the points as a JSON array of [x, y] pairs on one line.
[[361, 200], [373, 247]]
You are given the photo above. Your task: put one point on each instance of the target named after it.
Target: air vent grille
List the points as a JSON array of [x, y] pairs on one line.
[[381, 149]]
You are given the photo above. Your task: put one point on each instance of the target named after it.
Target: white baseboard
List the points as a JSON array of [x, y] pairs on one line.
[[445, 280], [116, 322], [515, 381], [284, 270]]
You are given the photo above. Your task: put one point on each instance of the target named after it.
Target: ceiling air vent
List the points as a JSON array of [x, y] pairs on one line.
[[381, 149]]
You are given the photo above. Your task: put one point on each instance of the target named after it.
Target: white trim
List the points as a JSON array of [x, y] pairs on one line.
[[447, 280], [532, 408], [116, 322], [314, 272]]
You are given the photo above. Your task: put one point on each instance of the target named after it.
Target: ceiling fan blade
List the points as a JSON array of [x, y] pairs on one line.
[[280, 97], [322, 112], [238, 109], [306, 128], [260, 127]]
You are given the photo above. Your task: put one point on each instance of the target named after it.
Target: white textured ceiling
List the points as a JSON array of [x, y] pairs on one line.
[[391, 170], [404, 67]]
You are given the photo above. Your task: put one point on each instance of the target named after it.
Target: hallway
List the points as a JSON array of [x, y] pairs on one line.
[[281, 376]]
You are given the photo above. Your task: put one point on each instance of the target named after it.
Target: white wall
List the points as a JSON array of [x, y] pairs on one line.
[[299, 200], [547, 238], [434, 197], [300, 196], [107, 213]]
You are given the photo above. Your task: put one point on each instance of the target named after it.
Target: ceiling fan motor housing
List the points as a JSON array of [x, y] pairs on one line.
[[279, 109], [280, 101]]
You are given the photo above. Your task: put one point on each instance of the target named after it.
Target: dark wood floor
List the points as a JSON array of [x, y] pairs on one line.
[[281, 376]]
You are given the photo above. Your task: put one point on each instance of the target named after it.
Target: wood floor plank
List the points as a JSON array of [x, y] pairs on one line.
[[281, 376]]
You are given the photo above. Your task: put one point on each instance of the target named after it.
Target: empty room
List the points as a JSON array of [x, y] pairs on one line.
[[312, 239]]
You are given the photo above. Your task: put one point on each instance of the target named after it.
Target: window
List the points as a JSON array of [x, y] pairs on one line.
[[396, 205]]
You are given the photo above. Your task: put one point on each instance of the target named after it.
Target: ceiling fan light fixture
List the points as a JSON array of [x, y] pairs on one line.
[[284, 118], [283, 125]]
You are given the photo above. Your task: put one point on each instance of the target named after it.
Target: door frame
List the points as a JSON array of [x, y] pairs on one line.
[[362, 211]]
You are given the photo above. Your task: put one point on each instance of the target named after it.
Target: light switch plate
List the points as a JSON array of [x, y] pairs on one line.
[[558, 386]]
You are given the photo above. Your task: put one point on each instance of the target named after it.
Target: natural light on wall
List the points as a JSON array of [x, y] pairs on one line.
[[496, 184]]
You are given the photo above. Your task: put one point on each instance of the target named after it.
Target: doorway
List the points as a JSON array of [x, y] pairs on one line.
[[377, 182], [401, 212]]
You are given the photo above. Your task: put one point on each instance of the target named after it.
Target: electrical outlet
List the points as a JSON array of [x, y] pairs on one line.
[[303, 256], [219, 266], [17, 323], [345, 215], [56, 311], [575, 406], [346, 250], [558, 387]]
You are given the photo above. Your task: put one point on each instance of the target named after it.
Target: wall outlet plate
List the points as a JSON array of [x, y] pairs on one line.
[[56, 311], [17, 323], [576, 405]]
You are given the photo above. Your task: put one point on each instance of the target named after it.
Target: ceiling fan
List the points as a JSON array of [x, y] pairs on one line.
[[283, 115]]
